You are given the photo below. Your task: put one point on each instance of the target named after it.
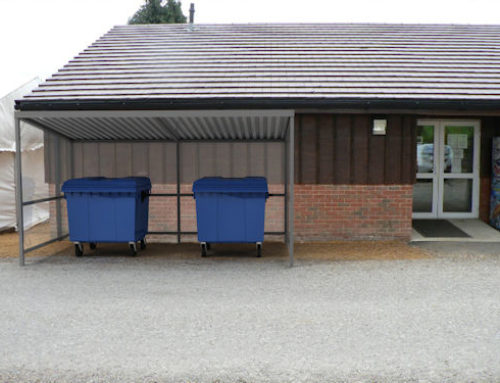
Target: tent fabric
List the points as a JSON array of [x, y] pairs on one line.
[[7, 191], [31, 138], [34, 185]]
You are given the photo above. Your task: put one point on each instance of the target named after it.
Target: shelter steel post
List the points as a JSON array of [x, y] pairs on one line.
[[19, 190], [57, 186], [285, 168], [178, 175], [291, 180]]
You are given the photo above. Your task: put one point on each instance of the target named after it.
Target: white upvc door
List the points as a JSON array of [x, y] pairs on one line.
[[447, 169]]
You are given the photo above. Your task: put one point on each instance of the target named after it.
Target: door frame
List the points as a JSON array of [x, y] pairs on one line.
[[438, 176]]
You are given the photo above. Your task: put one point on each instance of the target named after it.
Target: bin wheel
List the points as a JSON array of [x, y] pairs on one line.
[[133, 249], [259, 250], [93, 245], [209, 246], [203, 249], [143, 244], [78, 249]]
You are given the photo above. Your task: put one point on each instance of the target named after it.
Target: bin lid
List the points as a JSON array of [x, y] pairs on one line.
[[231, 185], [106, 185]]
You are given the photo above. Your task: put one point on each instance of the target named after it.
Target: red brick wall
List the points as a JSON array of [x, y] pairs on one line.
[[329, 212], [163, 213], [322, 212]]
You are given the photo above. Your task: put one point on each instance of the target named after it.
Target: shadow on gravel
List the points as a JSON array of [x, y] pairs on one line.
[[461, 249], [243, 253]]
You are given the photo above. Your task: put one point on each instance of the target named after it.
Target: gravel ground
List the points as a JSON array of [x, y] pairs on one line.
[[154, 319]]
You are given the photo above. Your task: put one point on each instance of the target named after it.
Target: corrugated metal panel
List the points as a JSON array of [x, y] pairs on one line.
[[282, 60], [158, 160], [187, 127], [57, 147]]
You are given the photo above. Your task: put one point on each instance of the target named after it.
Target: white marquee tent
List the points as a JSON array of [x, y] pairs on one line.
[[33, 164]]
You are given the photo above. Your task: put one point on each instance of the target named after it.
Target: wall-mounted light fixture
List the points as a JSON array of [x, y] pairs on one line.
[[379, 127]]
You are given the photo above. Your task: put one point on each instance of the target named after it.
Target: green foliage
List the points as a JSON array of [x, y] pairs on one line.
[[159, 12]]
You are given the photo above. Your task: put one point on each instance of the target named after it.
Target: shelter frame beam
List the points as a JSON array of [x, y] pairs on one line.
[[155, 113]]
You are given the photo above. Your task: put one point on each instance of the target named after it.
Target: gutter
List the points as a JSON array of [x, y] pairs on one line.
[[259, 103]]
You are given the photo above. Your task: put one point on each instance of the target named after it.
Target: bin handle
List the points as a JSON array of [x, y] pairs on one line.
[[144, 195]]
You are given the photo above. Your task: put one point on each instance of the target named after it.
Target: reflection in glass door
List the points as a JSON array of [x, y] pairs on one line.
[[447, 182], [426, 185]]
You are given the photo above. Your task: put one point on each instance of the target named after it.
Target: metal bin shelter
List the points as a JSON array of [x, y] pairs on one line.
[[67, 127]]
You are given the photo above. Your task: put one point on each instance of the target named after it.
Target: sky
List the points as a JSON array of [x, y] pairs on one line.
[[37, 37]]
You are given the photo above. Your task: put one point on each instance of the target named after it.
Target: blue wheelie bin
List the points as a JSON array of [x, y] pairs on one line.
[[230, 210], [107, 210]]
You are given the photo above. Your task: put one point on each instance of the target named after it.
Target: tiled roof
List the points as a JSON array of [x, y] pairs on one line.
[[271, 61]]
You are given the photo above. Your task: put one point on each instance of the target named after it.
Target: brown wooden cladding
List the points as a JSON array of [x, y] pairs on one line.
[[341, 149], [490, 127]]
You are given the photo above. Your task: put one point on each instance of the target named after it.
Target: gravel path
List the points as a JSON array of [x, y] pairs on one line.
[[118, 319]]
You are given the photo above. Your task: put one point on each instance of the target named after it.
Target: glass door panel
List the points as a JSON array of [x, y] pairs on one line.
[[424, 205], [457, 195], [459, 149], [459, 175], [423, 196], [425, 149]]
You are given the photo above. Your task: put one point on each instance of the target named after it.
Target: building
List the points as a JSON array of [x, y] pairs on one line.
[[390, 121]]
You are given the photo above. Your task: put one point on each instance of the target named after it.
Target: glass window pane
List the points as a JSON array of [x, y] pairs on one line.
[[425, 149], [459, 149], [422, 196], [457, 196]]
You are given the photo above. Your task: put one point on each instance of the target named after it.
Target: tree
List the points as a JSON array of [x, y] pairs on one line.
[[159, 12]]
